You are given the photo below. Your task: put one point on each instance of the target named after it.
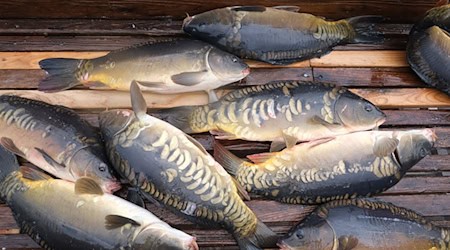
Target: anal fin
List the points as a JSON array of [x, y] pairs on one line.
[[11, 147], [113, 221], [49, 159], [86, 185], [33, 174]]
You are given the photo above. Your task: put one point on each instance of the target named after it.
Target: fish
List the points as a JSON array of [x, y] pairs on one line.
[[278, 35], [59, 214], [283, 112], [428, 48], [166, 67], [55, 139], [173, 170], [347, 166], [364, 224]]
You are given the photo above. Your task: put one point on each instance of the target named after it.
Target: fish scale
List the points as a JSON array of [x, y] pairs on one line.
[[302, 174]]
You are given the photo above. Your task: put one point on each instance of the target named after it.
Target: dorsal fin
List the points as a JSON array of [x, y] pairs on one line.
[[86, 185], [287, 8], [33, 174], [137, 101], [249, 8], [115, 221]]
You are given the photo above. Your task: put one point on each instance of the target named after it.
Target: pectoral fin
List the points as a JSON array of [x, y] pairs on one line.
[[331, 126], [96, 85], [289, 140], [49, 159], [320, 141], [347, 242], [189, 78], [86, 185], [134, 197], [115, 221], [151, 85], [212, 96], [384, 146], [11, 147], [222, 135], [33, 174], [287, 8]]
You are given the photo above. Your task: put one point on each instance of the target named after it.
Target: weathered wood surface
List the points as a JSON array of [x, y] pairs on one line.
[[409, 11], [30, 32]]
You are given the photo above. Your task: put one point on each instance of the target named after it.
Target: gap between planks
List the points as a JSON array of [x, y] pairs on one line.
[[364, 58]]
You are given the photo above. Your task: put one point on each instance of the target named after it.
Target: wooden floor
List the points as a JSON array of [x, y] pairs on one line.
[[380, 73]]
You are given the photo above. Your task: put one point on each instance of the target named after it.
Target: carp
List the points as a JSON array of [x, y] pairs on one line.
[[276, 35], [174, 170], [164, 67], [59, 214], [348, 166], [364, 224], [55, 139], [282, 112], [428, 48]]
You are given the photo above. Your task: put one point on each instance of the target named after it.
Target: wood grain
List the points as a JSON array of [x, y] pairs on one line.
[[406, 11], [109, 99], [383, 58]]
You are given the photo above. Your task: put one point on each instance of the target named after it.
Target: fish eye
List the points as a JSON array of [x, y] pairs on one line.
[[423, 152], [235, 59], [102, 168], [299, 235], [368, 108]]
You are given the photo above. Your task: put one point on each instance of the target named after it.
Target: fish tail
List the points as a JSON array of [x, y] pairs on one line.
[[8, 163], [61, 74], [364, 29], [263, 237], [184, 118], [229, 162]]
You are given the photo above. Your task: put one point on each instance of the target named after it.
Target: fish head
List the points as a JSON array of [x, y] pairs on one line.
[[211, 26], [356, 113], [413, 146], [312, 233], [162, 236], [227, 67], [115, 121]]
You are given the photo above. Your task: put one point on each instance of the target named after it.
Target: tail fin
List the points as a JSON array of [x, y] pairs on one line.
[[178, 117], [229, 162], [61, 74], [365, 31], [8, 163], [263, 237]]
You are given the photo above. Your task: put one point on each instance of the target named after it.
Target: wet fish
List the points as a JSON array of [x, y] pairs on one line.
[[428, 49], [348, 166], [174, 170], [278, 36], [59, 214], [161, 67], [365, 224], [55, 139], [283, 112]]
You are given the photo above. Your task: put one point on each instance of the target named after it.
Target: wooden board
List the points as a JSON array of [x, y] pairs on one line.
[[378, 72]]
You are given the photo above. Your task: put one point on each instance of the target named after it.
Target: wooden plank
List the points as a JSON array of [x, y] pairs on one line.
[[417, 117], [432, 163], [162, 26], [17, 241], [420, 185], [380, 77], [383, 58], [409, 11]]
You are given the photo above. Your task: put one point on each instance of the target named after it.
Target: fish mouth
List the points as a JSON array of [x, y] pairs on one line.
[[193, 244], [430, 135], [111, 187], [246, 71], [381, 121], [283, 246]]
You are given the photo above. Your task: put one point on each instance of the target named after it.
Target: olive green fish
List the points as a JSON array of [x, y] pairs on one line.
[[162, 67], [276, 35], [283, 112], [174, 170], [365, 224], [351, 165], [55, 139], [428, 49], [59, 214]]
